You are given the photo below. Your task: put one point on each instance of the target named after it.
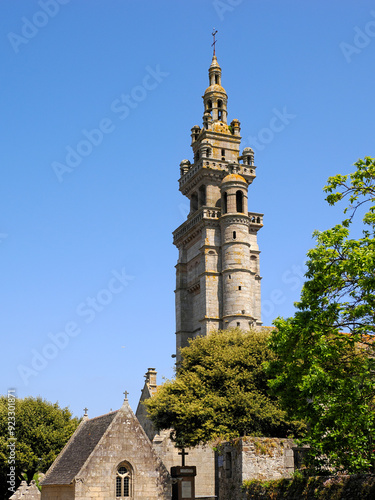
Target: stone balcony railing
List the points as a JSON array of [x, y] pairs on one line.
[[193, 219], [210, 213], [226, 166], [256, 218]]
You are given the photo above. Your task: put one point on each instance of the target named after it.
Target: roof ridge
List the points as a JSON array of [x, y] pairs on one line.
[[100, 416]]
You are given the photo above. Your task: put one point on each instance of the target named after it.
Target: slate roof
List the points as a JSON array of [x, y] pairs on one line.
[[72, 458]]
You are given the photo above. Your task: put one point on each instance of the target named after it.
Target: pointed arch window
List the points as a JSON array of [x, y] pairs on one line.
[[124, 484]]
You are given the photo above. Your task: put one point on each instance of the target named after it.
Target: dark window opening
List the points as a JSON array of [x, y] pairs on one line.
[[202, 196], [223, 153], [228, 458], [239, 287], [194, 202], [217, 79], [225, 208], [239, 201], [234, 235], [209, 105]]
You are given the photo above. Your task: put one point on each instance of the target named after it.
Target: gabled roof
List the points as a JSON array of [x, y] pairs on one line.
[[78, 449]]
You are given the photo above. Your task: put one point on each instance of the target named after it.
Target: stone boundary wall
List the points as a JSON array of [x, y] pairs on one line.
[[345, 487], [252, 458]]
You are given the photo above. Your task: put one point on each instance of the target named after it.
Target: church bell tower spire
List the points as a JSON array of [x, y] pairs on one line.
[[217, 273]]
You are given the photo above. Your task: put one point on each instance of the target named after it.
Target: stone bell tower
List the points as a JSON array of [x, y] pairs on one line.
[[217, 273]]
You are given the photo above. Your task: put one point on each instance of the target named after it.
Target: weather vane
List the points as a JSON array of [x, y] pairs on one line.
[[214, 42]]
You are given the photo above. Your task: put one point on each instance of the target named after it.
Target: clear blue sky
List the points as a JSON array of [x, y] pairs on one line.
[[67, 69]]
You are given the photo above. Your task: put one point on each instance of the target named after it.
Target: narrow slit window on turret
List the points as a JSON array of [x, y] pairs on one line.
[[234, 235], [239, 201], [223, 154], [225, 203], [217, 79], [239, 287]]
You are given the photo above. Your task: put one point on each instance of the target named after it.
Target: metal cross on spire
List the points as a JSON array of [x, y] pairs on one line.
[[85, 410], [214, 42], [126, 395]]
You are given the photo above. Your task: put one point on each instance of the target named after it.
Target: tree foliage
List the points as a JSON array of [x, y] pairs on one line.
[[325, 376], [40, 430], [220, 391]]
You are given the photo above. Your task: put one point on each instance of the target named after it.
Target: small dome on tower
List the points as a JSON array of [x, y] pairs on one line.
[[233, 178], [220, 127], [215, 88]]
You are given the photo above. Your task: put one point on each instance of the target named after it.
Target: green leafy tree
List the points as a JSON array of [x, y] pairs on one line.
[[40, 430], [323, 375], [220, 391]]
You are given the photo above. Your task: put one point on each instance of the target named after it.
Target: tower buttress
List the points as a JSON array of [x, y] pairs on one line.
[[217, 273]]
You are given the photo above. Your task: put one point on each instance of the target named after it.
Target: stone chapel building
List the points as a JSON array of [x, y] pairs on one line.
[[120, 455]]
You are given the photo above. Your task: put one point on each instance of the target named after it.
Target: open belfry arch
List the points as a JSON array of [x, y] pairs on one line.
[[217, 273]]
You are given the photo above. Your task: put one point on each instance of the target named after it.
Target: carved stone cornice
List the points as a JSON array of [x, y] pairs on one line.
[[227, 219], [194, 288], [215, 170], [206, 216]]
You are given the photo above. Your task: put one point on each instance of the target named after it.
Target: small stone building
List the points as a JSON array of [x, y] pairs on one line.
[[253, 458], [108, 457]]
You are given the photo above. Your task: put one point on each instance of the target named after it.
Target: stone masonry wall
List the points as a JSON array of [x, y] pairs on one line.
[[253, 458], [58, 492]]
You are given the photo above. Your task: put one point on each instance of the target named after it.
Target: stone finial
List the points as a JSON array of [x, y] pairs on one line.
[[20, 491]]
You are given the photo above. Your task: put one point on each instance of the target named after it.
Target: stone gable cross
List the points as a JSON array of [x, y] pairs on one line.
[[126, 395]]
